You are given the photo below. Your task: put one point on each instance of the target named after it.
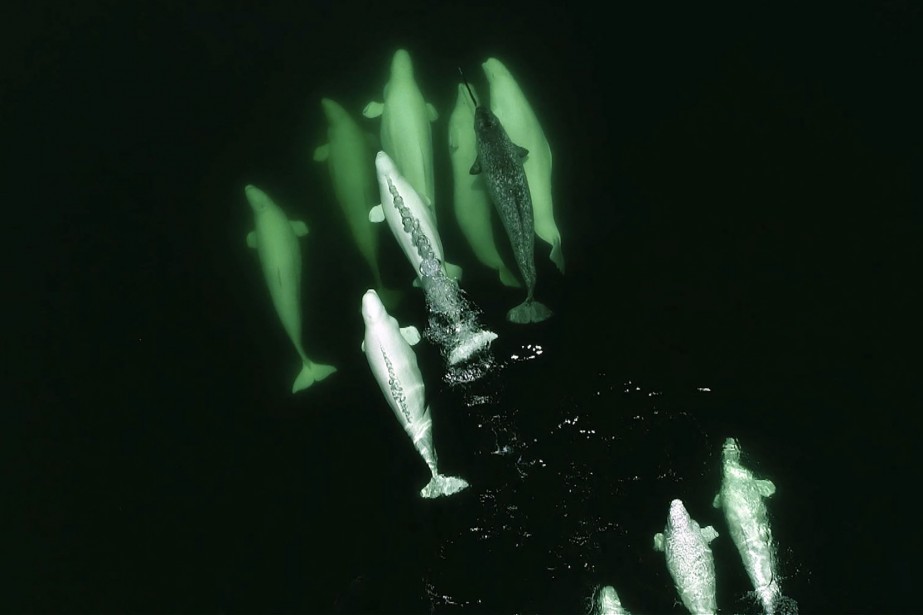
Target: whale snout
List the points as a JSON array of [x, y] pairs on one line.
[[383, 164], [372, 307], [678, 515], [255, 197]]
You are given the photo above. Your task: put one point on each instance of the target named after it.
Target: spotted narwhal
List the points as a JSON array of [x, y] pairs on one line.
[[501, 162]]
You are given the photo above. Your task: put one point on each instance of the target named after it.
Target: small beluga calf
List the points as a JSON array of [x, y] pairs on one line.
[[741, 498], [275, 239], [689, 559], [453, 320], [393, 362]]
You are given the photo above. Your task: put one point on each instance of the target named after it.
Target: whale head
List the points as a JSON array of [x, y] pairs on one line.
[[259, 200], [401, 66], [485, 120], [373, 310], [494, 70], [384, 165], [678, 516], [730, 452], [333, 111]]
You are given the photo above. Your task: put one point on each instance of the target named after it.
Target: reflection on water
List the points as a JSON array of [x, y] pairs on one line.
[[564, 499]]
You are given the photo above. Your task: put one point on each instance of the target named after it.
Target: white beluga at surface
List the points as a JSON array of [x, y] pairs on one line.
[[406, 134], [349, 157], [741, 498], [511, 107], [420, 221], [689, 559], [473, 209], [452, 320], [276, 241], [393, 362]]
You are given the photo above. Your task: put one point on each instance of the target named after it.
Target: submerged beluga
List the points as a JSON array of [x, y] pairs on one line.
[[512, 108], [741, 498], [387, 346], [275, 239], [406, 134], [348, 153], [501, 162]]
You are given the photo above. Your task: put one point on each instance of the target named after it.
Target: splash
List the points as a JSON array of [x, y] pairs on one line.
[[453, 321]]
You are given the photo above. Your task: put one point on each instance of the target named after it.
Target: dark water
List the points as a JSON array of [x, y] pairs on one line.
[[737, 187]]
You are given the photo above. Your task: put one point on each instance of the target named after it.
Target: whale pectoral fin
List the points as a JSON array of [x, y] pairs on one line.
[[557, 256], [658, 541], [431, 112], [523, 152], [453, 271], [362, 346], [411, 334], [377, 214], [300, 228], [373, 109], [476, 167], [709, 533], [322, 153], [417, 283], [716, 503], [765, 487], [251, 239]]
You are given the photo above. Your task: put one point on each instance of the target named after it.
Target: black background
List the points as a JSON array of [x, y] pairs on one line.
[[737, 186]]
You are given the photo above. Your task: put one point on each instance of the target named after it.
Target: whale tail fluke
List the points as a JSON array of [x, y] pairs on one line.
[[529, 311], [784, 605], [311, 372], [442, 485], [557, 256], [507, 278]]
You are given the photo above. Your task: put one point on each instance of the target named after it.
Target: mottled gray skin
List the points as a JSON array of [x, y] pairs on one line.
[[501, 162]]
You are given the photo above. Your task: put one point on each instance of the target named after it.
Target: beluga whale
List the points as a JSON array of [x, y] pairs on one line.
[[511, 106], [741, 498], [387, 346], [452, 319], [406, 134], [349, 157], [275, 239], [689, 559], [501, 162]]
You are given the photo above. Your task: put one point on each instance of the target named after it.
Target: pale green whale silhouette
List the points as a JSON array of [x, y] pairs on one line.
[[350, 154], [275, 239]]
